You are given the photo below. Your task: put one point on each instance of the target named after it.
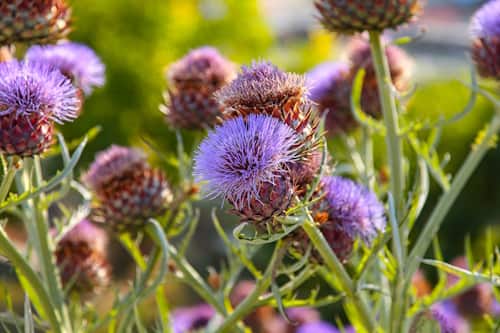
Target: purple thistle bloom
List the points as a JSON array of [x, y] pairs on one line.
[[354, 208], [242, 154], [87, 232], [485, 31], [486, 21], [190, 319], [111, 162], [317, 327], [77, 61], [261, 85], [28, 88], [322, 77], [448, 318]]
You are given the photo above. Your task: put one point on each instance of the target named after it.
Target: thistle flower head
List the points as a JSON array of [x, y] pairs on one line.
[[128, 190], [189, 102], [81, 258], [76, 61], [261, 86], [353, 208], [241, 156], [203, 66], [449, 320], [317, 327], [477, 300], [32, 97], [361, 15], [192, 319], [113, 163], [485, 30], [33, 21], [330, 88]]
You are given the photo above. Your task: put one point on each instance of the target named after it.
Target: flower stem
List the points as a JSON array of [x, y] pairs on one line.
[[8, 178], [448, 198], [334, 264]]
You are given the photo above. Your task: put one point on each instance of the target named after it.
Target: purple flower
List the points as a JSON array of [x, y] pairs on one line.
[[112, 162], [186, 320], [317, 327], [261, 86], [330, 87], [485, 30], [354, 208], [242, 154], [486, 21], [449, 319], [28, 88], [303, 315], [76, 61], [86, 232]]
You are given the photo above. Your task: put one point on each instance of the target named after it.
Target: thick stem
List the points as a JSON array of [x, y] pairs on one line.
[[336, 267], [395, 155], [448, 198]]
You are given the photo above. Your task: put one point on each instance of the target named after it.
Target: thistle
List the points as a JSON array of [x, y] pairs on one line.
[[128, 191], [449, 320], [348, 211], [80, 256], [262, 319], [330, 88], [400, 67], [245, 161], [264, 89], [33, 21], [317, 327], [77, 62], [32, 98], [192, 319], [189, 102], [477, 300], [485, 30], [353, 16]]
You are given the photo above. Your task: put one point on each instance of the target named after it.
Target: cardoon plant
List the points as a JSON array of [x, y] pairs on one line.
[[333, 223]]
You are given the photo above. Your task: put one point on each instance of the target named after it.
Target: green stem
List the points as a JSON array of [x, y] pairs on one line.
[[249, 303], [8, 178], [333, 263], [395, 155], [448, 198], [367, 151]]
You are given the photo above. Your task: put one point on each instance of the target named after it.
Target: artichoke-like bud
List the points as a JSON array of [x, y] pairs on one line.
[[80, 257], [127, 190], [264, 89], [400, 67], [245, 160], [32, 98], [485, 30], [476, 301], [347, 211], [351, 16], [189, 102], [261, 316], [33, 21], [330, 86]]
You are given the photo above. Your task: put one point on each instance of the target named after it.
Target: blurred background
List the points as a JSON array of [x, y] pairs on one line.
[[137, 40]]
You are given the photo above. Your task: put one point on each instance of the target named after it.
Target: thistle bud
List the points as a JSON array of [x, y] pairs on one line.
[[330, 87], [485, 30], [32, 98], [192, 82], [33, 21], [128, 191], [81, 259], [245, 161], [353, 16], [264, 89], [476, 301], [348, 211], [400, 67], [77, 62]]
